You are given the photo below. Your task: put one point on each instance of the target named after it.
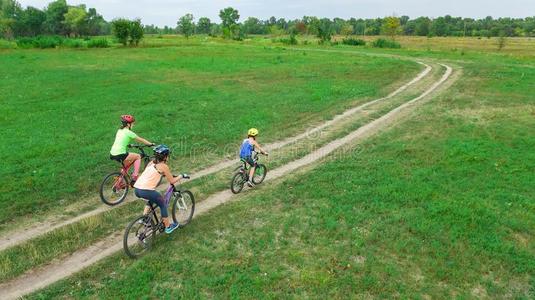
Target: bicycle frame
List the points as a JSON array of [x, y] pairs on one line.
[[124, 169], [169, 194], [245, 166], [167, 198]]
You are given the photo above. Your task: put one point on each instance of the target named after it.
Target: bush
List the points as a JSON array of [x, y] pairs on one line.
[[98, 43], [5, 44], [42, 42], [45, 42], [384, 43], [289, 41], [25, 42], [136, 32], [353, 42], [73, 43], [121, 30]]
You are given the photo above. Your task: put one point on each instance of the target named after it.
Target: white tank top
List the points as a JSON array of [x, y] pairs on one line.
[[149, 179]]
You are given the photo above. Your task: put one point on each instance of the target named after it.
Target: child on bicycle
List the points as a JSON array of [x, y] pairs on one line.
[[145, 186], [123, 138], [246, 152]]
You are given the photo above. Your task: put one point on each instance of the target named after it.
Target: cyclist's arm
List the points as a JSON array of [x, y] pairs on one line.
[[167, 173], [143, 141], [257, 146]]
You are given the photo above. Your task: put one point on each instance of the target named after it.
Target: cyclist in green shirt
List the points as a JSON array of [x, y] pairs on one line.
[[123, 138]]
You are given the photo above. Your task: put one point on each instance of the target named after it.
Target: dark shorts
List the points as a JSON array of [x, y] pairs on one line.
[[153, 197], [249, 160], [120, 158]]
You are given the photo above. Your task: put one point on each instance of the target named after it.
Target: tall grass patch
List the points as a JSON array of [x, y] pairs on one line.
[[384, 43], [98, 43], [353, 42]]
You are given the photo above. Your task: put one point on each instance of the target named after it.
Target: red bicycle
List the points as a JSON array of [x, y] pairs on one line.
[[115, 186]]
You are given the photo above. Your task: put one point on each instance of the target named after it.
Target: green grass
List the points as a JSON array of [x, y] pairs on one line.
[[58, 243], [437, 207], [60, 107]]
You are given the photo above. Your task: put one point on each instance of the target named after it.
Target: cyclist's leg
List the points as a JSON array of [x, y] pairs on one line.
[[252, 168], [156, 198], [139, 194], [119, 182], [133, 158]]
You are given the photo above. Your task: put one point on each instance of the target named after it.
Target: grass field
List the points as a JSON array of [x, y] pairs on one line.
[[60, 107], [58, 243], [438, 207], [515, 46]]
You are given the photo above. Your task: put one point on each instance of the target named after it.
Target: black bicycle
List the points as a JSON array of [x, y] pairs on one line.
[[241, 174], [140, 233], [115, 186]]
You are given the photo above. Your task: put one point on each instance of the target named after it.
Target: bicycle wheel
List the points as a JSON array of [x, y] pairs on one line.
[[237, 182], [183, 207], [114, 188], [259, 174], [138, 236]]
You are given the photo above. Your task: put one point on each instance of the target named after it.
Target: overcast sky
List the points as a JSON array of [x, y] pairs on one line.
[[167, 12]]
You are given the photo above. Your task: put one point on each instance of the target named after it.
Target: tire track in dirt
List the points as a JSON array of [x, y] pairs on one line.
[[58, 270], [19, 236]]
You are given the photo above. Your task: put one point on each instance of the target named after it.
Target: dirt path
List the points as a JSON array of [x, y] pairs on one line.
[[81, 259], [21, 235]]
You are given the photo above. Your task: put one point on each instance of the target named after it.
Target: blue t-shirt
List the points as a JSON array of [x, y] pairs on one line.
[[246, 149]]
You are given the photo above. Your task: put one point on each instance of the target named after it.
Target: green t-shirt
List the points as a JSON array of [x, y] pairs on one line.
[[122, 140]]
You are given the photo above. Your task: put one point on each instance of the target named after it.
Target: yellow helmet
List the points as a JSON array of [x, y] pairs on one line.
[[252, 132]]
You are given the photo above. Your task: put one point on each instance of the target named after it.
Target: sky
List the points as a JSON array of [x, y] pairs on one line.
[[167, 12]]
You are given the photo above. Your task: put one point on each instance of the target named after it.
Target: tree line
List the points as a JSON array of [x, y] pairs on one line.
[[422, 26], [59, 18]]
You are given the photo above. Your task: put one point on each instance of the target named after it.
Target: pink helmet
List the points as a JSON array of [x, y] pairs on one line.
[[127, 119]]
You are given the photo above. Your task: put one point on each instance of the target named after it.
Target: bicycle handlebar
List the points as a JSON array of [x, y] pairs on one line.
[[139, 146], [184, 176]]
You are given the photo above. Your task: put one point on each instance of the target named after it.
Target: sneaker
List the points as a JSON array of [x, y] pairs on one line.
[[171, 228], [250, 183]]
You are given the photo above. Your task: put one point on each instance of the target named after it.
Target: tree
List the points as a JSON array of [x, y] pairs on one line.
[[136, 32], [423, 26], [391, 26], [312, 23], [282, 24], [253, 26], [404, 20], [439, 27], [347, 30], [55, 12], [186, 25], [204, 26], [75, 19], [301, 27], [121, 30], [31, 21], [10, 13], [325, 30], [96, 25], [229, 16], [338, 24]]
